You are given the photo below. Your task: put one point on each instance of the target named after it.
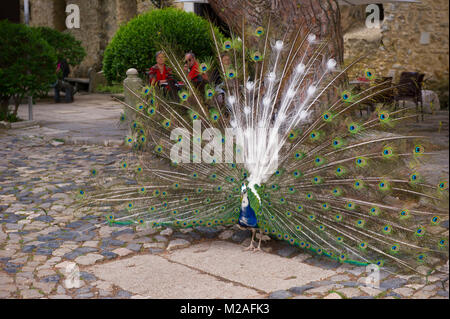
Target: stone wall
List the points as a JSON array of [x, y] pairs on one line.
[[94, 20], [144, 6], [352, 17], [49, 13], [412, 37], [125, 10], [99, 21]]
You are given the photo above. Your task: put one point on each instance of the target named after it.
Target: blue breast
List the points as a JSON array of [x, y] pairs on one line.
[[247, 217]]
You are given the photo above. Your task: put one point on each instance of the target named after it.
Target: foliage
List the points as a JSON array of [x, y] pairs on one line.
[[27, 64], [65, 45], [9, 117], [441, 87], [135, 44], [162, 3], [114, 88]]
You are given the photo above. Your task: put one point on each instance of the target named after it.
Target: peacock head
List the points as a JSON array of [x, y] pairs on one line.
[[247, 190], [244, 195]]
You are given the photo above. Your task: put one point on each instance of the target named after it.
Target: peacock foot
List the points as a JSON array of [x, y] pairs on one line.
[[250, 248]]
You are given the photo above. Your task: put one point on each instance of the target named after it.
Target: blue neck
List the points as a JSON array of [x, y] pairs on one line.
[[247, 217]]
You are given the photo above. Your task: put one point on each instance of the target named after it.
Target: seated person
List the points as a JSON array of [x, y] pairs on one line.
[[218, 81], [160, 73], [226, 61], [217, 74], [63, 71], [191, 66]]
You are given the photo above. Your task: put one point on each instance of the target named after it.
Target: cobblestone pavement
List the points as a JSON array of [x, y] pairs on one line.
[[90, 119], [40, 234]]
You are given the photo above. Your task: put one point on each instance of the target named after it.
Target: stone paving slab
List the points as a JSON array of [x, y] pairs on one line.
[[200, 271], [260, 270], [153, 276]]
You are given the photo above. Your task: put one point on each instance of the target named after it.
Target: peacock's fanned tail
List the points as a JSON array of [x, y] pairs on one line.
[[341, 185]]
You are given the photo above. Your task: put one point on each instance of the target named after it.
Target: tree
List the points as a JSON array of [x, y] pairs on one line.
[[321, 17], [65, 45], [287, 18], [27, 64]]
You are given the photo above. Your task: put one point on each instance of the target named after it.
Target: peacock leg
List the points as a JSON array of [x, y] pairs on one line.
[[260, 238], [251, 247]]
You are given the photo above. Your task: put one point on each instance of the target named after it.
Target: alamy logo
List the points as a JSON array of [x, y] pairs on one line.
[[373, 19], [235, 146], [73, 17]]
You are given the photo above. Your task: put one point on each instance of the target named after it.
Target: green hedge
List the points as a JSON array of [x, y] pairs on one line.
[[135, 44]]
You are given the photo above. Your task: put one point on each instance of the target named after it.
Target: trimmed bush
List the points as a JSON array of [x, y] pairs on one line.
[[27, 64], [65, 45], [135, 44]]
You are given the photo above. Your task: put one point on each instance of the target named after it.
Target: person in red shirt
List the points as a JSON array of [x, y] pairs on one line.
[[191, 66], [160, 73]]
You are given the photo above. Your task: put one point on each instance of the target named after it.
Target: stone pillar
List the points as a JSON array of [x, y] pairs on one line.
[[132, 83]]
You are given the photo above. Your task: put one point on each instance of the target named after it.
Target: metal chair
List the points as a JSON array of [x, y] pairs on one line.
[[385, 97]]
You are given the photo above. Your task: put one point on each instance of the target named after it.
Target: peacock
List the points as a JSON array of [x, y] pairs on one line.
[[275, 143]]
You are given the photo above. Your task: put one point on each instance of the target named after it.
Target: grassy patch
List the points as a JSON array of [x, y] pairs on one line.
[[116, 88], [339, 293], [382, 294], [9, 117]]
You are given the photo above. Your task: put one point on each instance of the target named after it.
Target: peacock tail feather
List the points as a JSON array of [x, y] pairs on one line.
[[319, 176]]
